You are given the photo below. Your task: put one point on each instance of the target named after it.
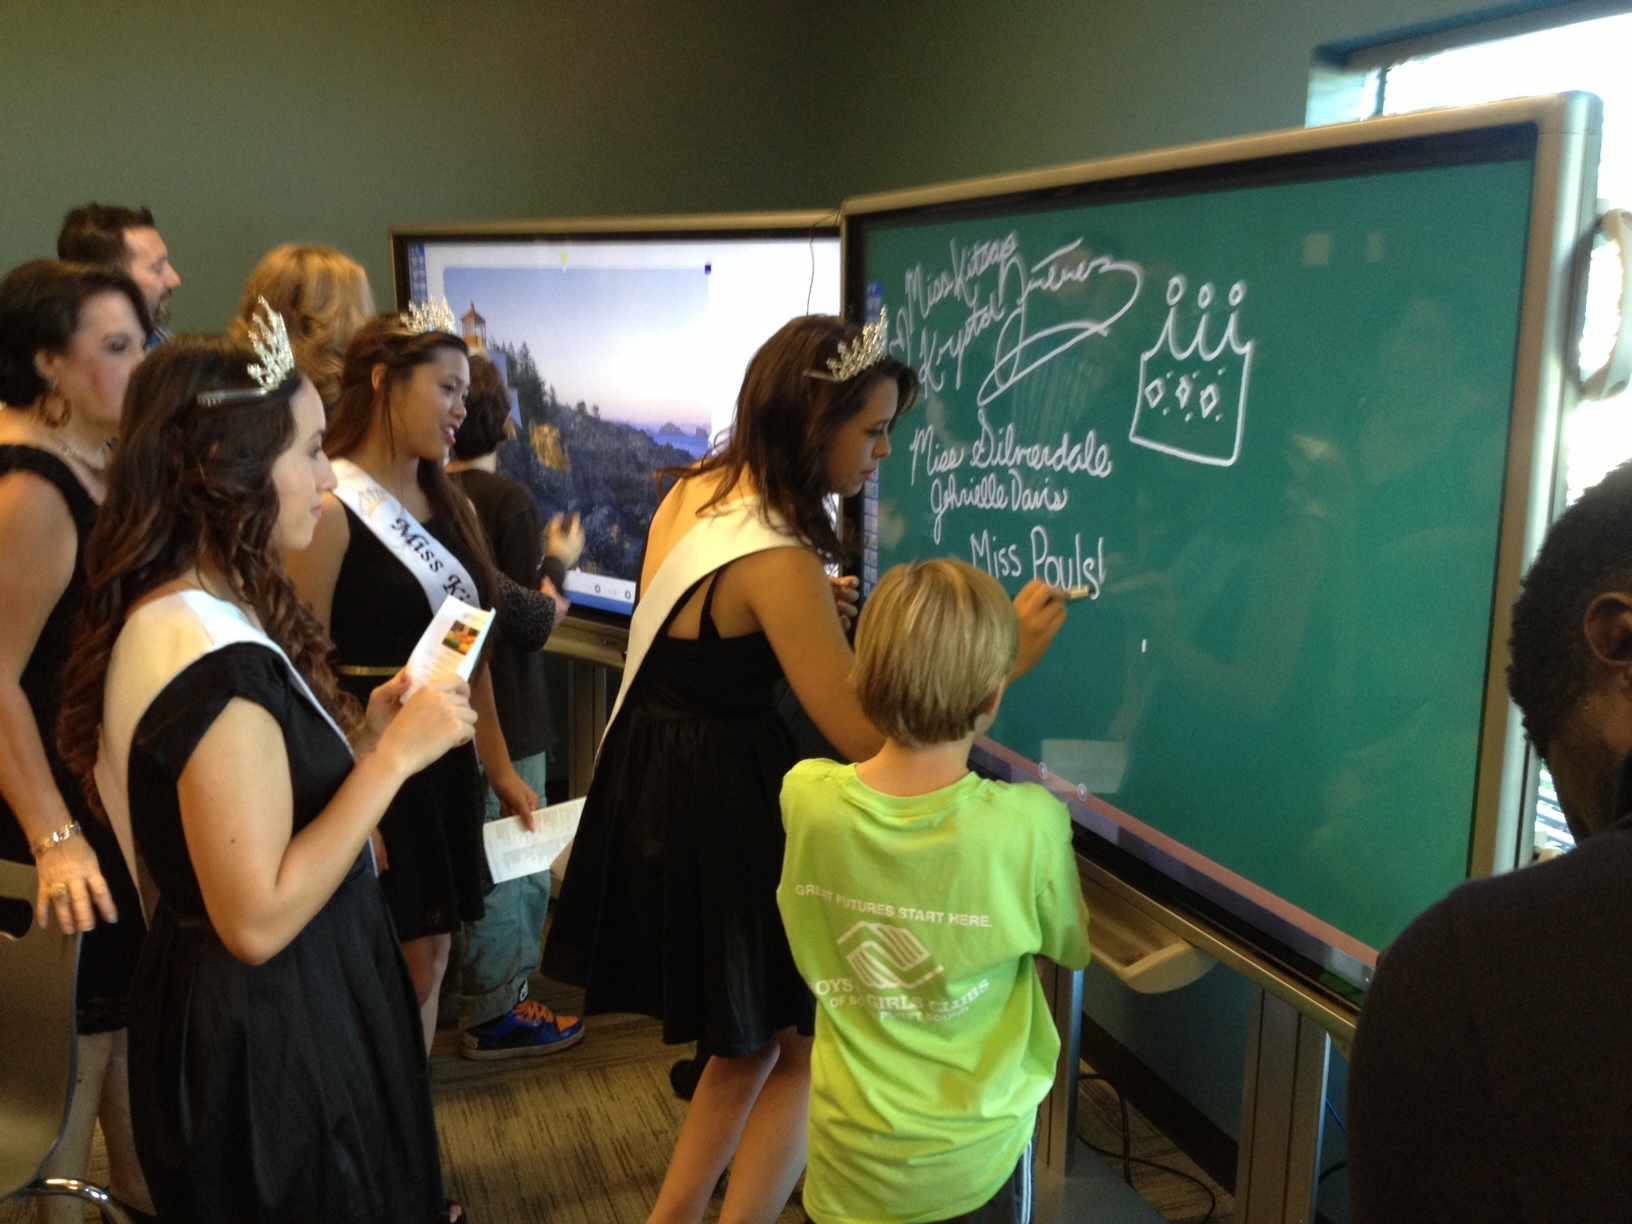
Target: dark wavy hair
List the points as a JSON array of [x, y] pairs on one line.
[[1587, 553], [487, 411], [383, 341], [786, 419], [189, 486], [40, 306]]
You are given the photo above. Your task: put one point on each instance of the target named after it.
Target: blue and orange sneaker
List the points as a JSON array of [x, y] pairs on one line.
[[529, 1028]]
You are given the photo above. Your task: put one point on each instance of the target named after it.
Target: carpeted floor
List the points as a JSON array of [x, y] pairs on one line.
[[1181, 1192], [582, 1137]]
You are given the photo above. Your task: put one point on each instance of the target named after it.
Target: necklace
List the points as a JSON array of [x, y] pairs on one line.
[[61, 443]]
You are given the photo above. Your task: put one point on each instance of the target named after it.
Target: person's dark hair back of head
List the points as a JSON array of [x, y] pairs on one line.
[[786, 418], [487, 411], [1587, 552], [95, 233], [40, 305]]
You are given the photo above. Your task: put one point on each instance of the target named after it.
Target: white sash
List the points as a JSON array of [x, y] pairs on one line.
[[160, 639], [738, 529], [436, 569]]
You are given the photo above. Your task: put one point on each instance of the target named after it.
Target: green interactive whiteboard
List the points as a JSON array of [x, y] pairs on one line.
[[1268, 406]]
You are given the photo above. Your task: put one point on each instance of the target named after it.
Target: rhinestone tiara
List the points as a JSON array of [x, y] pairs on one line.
[[270, 340], [430, 316], [865, 351]]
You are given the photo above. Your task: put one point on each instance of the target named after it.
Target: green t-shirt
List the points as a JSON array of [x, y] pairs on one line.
[[914, 921]]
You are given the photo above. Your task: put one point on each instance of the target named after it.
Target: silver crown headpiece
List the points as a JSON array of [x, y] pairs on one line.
[[865, 351], [270, 339], [430, 316]]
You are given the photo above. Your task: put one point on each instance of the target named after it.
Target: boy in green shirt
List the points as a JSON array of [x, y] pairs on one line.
[[915, 895]]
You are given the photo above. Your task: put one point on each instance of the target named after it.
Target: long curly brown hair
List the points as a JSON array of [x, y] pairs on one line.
[[190, 486], [785, 420]]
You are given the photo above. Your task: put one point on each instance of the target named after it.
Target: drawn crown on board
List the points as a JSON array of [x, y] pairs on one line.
[[1192, 401]]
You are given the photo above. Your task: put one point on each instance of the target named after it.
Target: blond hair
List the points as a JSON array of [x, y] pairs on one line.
[[935, 642], [323, 296]]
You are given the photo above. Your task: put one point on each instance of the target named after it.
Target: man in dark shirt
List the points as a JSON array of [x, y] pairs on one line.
[[1492, 1070], [125, 239]]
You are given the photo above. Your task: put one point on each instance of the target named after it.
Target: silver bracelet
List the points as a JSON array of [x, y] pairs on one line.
[[56, 837]]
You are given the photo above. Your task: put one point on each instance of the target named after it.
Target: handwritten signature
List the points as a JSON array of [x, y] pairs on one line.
[[995, 285]]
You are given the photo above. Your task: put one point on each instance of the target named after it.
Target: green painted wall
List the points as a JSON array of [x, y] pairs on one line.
[[243, 126], [915, 92], [247, 125]]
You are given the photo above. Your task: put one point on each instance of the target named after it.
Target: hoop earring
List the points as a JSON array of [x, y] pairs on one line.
[[54, 420]]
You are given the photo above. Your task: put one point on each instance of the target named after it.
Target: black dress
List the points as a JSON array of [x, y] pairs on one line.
[[295, 1090], [669, 906], [433, 828], [108, 952]]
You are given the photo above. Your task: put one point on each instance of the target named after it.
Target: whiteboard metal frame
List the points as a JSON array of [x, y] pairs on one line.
[[1562, 216]]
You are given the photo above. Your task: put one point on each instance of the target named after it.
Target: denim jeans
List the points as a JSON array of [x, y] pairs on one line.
[[502, 950]]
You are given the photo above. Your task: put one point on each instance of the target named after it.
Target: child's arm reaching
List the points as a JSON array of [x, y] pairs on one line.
[[1062, 914]]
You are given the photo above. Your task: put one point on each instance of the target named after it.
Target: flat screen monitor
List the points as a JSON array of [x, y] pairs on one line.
[[1283, 412], [623, 342]]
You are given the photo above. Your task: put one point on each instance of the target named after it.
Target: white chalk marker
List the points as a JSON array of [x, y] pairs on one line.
[[1072, 594]]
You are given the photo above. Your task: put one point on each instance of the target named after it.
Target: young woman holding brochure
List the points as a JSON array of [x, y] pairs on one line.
[[277, 1066], [669, 906], [395, 539]]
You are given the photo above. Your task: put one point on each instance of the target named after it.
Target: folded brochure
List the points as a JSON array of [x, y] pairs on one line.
[[450, 645]]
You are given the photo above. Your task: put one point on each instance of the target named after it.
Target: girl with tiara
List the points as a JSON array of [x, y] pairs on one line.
[[669, 906], [395, 539], [277, 1066], [70, 336]]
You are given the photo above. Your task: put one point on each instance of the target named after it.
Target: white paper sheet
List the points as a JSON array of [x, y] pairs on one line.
[[513, 850]]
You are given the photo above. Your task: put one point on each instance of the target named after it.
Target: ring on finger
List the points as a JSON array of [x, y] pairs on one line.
[[59, 893]]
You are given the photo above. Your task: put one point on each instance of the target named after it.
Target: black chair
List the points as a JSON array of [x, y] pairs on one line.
[[37, 970]]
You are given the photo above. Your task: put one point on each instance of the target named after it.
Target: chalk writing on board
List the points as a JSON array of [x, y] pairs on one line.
[[1083, 566], [1062, 569], [997, 448], [995, 286], [1192, 401], [1004, 461], [995, 491]]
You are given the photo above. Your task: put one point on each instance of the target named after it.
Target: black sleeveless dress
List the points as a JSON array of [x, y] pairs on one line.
[[669, 906], [108, 952], [433, 828], [295, 1090]]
